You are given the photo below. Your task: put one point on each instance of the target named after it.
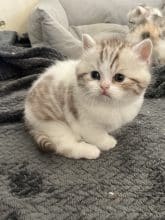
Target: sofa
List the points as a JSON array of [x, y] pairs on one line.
[[60, 23]]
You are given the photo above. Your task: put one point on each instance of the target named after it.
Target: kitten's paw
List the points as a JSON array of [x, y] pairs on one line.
[[86, 151], [90, 151], [108, 143]]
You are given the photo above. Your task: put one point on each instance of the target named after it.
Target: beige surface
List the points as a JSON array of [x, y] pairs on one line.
[[15, 13]]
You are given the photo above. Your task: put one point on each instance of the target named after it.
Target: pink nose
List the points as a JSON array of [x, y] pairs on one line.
[[105, 85]]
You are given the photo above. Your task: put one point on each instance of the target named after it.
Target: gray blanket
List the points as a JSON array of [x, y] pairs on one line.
[[127, 182]]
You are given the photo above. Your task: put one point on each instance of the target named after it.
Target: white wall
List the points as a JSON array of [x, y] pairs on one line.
[[15, 13]]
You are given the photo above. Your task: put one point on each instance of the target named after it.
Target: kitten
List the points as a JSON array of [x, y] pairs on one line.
[[152, 31], [75, 104], [142, 14]]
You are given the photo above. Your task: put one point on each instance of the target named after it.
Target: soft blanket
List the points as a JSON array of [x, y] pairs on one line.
[[127, 182]]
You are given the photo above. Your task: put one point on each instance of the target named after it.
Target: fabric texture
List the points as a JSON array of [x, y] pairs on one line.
[[127, 183], [7, 37]]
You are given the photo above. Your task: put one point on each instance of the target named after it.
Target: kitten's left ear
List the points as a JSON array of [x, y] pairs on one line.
[[141, 10], [88, 41], [144, 50]]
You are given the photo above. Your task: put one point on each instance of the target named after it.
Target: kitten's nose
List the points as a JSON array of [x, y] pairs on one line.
[[105, 85]]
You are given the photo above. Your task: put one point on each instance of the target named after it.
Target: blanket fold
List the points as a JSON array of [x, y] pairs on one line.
[[16, 62]]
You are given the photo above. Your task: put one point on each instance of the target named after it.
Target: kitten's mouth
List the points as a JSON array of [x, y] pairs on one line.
[[104, 93]]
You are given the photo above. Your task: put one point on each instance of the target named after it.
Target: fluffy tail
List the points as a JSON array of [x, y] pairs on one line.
[[44, 143]]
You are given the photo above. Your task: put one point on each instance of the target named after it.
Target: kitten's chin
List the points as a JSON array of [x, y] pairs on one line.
[[124, 100], [106, 96], [102, 97]]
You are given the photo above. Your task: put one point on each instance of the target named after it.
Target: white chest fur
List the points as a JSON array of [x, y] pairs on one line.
[[113, 117]]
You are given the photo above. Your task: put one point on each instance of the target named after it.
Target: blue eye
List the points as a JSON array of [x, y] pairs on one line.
[[95, 75], [118, 77]]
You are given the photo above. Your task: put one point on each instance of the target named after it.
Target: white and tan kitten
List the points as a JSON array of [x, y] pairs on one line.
[[75, 104]]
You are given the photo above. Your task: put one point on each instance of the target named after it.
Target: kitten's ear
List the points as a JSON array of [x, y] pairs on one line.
[[144, 50], [88, 41], [142, 11]]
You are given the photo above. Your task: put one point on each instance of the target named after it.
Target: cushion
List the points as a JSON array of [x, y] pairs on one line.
[[96, 29], [43, 14], [48, 26]]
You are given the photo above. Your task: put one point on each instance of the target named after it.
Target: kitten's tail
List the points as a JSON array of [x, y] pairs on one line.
[[43, 142]]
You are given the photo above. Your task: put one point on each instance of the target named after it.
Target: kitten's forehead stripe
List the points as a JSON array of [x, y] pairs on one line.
[[106, 53], [110, 50], [114, 59], [101, 56], [116, 54]]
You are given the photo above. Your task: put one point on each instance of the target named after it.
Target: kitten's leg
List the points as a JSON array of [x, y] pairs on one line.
[[98, 137], [64, 142]]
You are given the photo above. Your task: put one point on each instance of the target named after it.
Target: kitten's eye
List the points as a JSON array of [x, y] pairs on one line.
[[95, 75], [131, 22], [118, 77]]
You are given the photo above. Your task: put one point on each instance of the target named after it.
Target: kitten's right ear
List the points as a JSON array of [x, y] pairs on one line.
[[88, 41], [144, 50], [142, 11]]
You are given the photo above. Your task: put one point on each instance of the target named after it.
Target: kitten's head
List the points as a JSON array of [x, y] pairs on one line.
[[112, 70]]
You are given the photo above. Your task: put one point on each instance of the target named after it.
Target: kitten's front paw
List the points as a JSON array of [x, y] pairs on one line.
[[84, 150], [108, 143], [90, 151]]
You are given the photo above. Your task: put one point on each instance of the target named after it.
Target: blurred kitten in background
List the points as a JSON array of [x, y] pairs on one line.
[[141, 14], [147, 22], [152, 31]]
